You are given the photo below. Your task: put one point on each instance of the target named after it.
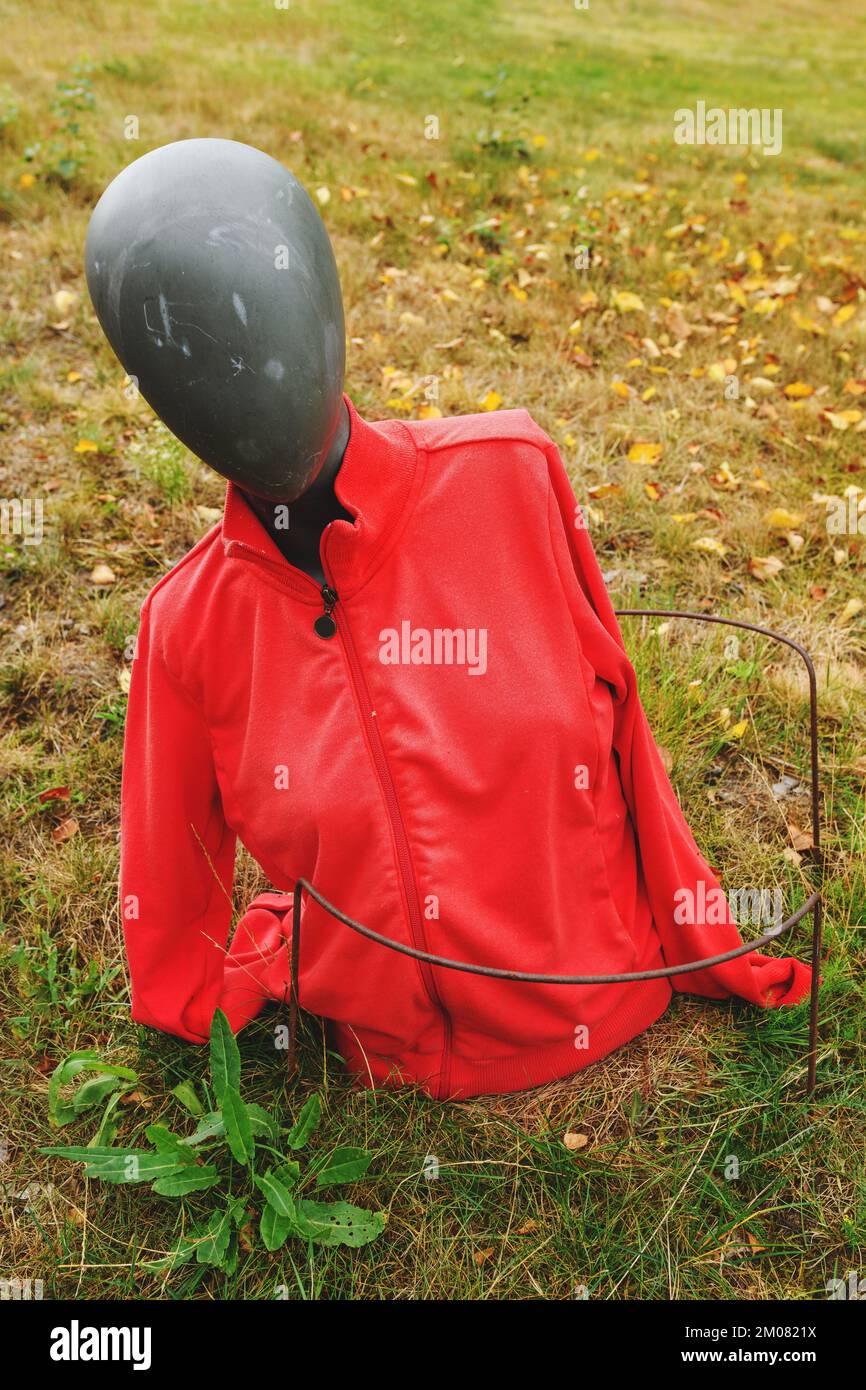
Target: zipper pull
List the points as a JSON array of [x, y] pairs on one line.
[[325, 625]]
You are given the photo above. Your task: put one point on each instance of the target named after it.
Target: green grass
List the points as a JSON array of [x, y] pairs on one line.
[[558, 123]]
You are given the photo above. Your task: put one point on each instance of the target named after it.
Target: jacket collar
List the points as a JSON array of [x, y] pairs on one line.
[[377, 482]]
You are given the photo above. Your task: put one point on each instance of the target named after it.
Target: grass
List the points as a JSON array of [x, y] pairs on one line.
[[457, 257]]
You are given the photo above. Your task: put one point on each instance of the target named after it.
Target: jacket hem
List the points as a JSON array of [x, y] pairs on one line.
[[643, 1003]]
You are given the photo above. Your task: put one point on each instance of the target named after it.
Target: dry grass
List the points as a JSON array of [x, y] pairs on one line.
[[457, 264]]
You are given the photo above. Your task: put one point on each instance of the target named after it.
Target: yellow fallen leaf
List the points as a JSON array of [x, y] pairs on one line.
[[765, 566], [684, 518], [648, 394], [642, 451], [851, 609], [621, 388], [64, 300], [844, 314], [626, 302], [854, 387], [737, 294], [492, 401], [737, 730], [725, 479], [86, 446], [26, 180], [798, 389], [710, 546], [841, 419], [653, 491], [808, 325], [73, 376], [778, 519]]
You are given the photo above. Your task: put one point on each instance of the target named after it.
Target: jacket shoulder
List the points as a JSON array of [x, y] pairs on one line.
[[455, 431], [173, 590]]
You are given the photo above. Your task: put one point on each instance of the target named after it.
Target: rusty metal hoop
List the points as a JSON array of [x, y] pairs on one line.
[[813, 903]]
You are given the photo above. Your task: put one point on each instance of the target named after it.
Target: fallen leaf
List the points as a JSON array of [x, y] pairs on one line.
[[626, 302], [86, 446], [65, 830], [677, 323], [841, 419], [54, 794], [574, 1141], [851, 609], [844, 314], [642, 451], [710, 546], [765, 566], [800, 839], [778, 519], [102, 574], [64, 300]]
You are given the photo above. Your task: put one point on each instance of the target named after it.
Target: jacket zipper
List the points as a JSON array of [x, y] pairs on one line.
[[325, 626], [330, 599]]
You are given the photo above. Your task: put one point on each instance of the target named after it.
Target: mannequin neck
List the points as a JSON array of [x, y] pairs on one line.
[[310, 513]]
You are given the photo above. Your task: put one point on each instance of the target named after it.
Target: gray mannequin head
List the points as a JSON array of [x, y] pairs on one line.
[[214, 280]]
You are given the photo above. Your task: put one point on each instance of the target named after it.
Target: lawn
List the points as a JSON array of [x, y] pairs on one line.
[[515, 225]]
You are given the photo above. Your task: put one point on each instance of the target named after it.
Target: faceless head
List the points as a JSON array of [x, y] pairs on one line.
[[214, 280]]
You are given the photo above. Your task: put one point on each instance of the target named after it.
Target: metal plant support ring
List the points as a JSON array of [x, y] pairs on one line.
[[812, 904]]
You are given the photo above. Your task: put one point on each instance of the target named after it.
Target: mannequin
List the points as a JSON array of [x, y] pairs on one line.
[[523, 818]]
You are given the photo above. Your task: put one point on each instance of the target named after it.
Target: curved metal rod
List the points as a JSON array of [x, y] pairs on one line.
[[812, 903], [528, 977], [777, 637], [818, 858]]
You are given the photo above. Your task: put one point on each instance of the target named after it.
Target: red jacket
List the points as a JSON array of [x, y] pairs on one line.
[[465, 766]]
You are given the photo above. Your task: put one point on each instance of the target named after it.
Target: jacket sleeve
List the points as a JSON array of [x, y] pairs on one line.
[[177, 865], [669, 858]]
